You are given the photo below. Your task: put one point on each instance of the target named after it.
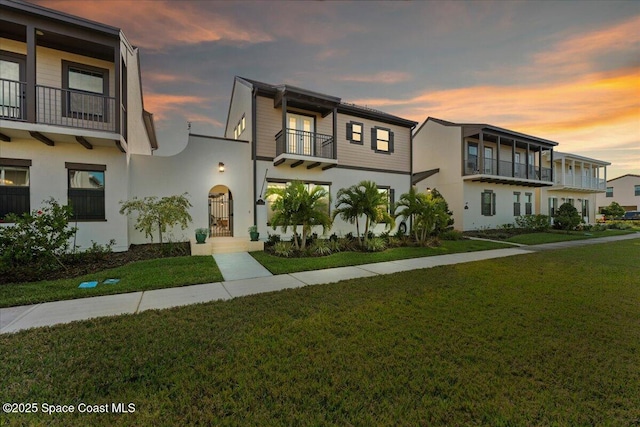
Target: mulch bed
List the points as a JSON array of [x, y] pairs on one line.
[[81, 264]]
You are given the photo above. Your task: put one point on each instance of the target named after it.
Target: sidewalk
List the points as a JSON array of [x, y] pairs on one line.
[[14, 319]]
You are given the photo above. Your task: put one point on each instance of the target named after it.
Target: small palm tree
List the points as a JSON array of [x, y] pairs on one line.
[[428, 212], [296, 205], [349, 206], [375, 207]]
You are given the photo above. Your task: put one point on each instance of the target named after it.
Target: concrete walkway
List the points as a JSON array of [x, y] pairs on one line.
[[14, 319], [240, 265]]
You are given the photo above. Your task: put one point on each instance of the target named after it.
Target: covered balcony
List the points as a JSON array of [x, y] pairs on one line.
[[577, 173], [500, 156], [296, 147]]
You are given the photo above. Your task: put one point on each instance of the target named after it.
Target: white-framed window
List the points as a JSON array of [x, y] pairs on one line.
[[382, 140]]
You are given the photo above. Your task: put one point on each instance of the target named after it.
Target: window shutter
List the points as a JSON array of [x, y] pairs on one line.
[[349, 132], [374, 139], [390, 142], [493, 203]]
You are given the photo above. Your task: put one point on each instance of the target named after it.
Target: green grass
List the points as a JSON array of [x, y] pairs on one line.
[[562, 236], [548, 338], [136, 276], [280, 265]]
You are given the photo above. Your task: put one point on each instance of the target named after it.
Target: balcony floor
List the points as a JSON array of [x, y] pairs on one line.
[[507, 180], [309, 162]]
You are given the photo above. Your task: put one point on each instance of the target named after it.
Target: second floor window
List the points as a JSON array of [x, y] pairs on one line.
[[382, 140], [472, 158], [354, 132], [636, 190], [86, 90], [609, 192]]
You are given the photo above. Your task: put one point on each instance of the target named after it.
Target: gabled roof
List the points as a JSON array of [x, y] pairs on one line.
[[624, 176], [328, 101], [489, 127], [557, 155]]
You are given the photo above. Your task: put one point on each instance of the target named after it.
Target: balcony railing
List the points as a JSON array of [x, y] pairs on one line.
[[303, 143], [12, 94], [581, 181], [74, 108], [507, 169]]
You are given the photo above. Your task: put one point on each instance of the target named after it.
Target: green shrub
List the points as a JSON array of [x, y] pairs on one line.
[[41, 236], [620, 225], [533, 222], [335, 245], [375, 244], [272, 239], [451, 235], [321, 247], [99, 252], [567, 217], [283, 249]]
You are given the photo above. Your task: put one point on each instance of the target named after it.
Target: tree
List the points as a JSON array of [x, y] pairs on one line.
[[349, 206], [375, 207], [428, 213], [160, 214], [567, 217], [614, 210], [296, 205]]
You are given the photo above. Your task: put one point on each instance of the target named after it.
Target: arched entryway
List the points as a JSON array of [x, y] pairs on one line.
[[220, 211]]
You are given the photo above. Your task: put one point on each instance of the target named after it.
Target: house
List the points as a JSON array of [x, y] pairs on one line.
[[487, 174], [625, 190], [577, 180], [276, 134], [71, 115]]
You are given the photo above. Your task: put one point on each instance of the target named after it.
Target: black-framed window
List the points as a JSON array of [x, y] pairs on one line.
[[390, 195], [382, 140], [279, 183], [472, 158], [636, 190], [86, 91], [14, 186], [86, 184], [13, 85], [528, 203], [355, 131], [553, 206], [609, 192], [488, 200], [516, 204]]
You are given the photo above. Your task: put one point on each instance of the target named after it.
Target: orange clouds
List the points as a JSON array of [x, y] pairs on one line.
[[163, 106], [161, 23]]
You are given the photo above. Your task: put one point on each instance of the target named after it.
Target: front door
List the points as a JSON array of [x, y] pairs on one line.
[[12, 86], [220, 214], [300, 134]]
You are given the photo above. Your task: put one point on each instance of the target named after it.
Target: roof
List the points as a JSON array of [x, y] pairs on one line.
[[557, 155], [419, 176], [633, 175], [325, 102], [486, 126]]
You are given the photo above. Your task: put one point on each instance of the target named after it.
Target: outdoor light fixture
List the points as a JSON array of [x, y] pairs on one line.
[[466, 205], [221, 167]]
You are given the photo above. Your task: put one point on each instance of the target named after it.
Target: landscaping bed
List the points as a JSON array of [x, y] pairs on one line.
[[91, 262]]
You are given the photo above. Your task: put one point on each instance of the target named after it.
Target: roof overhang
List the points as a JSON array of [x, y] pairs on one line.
[[506, 180]]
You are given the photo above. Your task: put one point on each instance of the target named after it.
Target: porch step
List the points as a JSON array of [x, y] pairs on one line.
[[225, 245]]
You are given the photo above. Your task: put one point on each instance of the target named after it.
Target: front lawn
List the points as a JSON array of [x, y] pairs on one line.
[[547, 338], [562, 236], [136, 276], [280, 265]]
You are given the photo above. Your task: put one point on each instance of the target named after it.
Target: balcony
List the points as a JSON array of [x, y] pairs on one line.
[[58, 107], [297, 147], [587, 184], [508, 173]]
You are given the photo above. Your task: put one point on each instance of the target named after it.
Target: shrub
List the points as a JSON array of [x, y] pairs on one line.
[[567, 217], [335, 246], [40, 236], [614, 210], [375, 244], [283, 249], [533, 222], [99, 252], [620, 225], [451, 235], [160, 214], [321, 247], [272, 239], [433, 242]]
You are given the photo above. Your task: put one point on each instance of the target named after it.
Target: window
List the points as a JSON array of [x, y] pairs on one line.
[[354, 132], [472, 158], [516, 204], [553, 206], [14, 186], [488, 199], [310, 186], [382, 140], [390, 195], [570, 201], [86, 91], [585, 209], [609, 192], [636, 190], [488, 161], [12, 73], [240, 127], [86, 190], [528, 203]]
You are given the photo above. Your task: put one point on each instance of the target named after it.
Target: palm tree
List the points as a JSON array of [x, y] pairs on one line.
[[375, 207], [349, 206], [427, 211], [296, 205]]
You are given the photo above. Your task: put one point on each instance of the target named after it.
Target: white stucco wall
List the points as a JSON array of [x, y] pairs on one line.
[[48, 178], [473, 218], [195, 170]]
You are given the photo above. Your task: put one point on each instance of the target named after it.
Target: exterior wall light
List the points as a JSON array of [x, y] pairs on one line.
[[466, 205], [221, 167]]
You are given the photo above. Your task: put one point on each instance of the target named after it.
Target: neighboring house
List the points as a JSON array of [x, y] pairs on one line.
[[487, 174], [71, 114], [625, 190], [577, 180]]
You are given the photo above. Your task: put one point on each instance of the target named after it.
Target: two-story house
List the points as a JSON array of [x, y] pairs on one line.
[[576, 180], [625, 190], [71, 114], [487, 174]]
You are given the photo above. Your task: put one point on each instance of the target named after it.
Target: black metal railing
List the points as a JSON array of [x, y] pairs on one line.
[[74, 108], [12, 99], [303, 143], [507, 169]]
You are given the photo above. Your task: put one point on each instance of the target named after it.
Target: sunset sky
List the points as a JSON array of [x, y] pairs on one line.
[[567, 71]]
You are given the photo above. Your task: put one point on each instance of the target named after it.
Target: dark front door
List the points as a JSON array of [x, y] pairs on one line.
[[220, 214]]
